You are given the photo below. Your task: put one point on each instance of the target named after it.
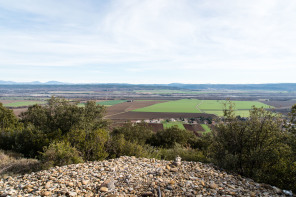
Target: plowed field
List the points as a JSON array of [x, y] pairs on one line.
[[131, 115], [128, 106]]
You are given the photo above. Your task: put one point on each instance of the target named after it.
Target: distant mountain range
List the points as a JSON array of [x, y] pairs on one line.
[[32, 83], [290, 87]]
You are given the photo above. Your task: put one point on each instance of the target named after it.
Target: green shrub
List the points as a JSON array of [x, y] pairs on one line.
[[187, 154], [167, 138], [119, 146], [58, 154], [91, 143], [139, 133]]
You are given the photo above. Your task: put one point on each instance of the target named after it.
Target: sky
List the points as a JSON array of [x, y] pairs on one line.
[[148, 41]]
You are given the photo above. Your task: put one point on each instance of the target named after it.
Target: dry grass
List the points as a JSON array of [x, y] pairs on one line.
[[14, 164]]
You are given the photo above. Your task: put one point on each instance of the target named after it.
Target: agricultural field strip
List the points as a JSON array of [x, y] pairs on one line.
[[23, 103], [207, 106], [206, 128], [130, 106], [197, 107], [217, 105], [167, 125], [178, 106]]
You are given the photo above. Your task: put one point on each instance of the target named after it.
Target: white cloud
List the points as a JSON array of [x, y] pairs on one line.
[[147, 35]]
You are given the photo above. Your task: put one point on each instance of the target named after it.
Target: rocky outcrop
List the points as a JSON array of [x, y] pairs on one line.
[[130, 176]]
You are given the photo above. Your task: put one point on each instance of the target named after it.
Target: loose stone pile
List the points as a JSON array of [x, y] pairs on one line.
[[130, 176]]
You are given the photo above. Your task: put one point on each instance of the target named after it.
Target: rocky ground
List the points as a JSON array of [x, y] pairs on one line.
[[130, 176]]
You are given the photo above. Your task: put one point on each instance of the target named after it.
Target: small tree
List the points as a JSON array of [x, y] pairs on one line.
[[91, 143], [8, 120], [255, 147], [60, 153]]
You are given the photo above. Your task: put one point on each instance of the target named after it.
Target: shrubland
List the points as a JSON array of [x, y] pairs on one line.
[[262, 147]]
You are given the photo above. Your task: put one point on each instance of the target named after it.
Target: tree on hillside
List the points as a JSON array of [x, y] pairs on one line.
[[139, 133], [62, 120], [60, 116], [255, 148], [7, 118]]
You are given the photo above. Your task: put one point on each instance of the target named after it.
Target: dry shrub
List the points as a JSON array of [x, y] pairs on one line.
[[13, 164]]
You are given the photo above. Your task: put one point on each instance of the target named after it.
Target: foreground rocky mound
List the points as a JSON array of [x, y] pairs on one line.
[[130, 176]]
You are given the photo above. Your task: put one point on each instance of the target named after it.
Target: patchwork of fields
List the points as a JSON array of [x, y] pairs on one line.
[[106, 103], [202, 106], [164, 108]]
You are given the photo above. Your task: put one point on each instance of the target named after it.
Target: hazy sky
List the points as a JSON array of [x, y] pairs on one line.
[[148, 41]]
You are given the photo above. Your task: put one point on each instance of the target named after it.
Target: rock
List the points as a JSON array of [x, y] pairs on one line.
[[104, 189], [213, 186], [168, 167], [109, 183], [252, 194], [177, 161], [288, 193], [146, 194], [130, 176], [277, 190], [46, 193], [47, 185], [72, 193], [169, 187], [172, 182], [85, 182]]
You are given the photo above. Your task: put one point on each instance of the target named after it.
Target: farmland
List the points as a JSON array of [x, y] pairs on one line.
[[167, 125], [179, 106], [23, 103], [202, 106], [206, 128], [106, 103], [156, 101], [111, 102]]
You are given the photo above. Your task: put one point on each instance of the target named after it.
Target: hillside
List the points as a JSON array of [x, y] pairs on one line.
[[134, 177]]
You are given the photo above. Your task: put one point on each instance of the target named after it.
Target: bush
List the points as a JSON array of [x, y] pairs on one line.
[[91, 143], [254, 148], [58, 154], [139, 133], [187, 154], [119, 146], [169, 137]]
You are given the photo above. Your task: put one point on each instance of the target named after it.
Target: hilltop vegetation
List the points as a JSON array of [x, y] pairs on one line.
[[262, 147]]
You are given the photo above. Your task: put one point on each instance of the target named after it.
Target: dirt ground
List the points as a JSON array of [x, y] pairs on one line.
[[128, 106], [156, 115], [18, 111], [281, 104]]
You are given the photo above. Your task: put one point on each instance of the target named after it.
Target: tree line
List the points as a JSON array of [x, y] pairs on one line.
[[262, 147]]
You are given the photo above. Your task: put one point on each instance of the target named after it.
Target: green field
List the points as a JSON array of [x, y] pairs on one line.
[[111, 102], [167, 91], [105, 103], [206, 128], [23, 103], [179, 106], [202, 106], [241, 113], [239, 105], [167, 125]]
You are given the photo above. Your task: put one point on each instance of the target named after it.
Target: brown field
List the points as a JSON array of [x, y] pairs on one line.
[[155, 115], [156, 126], [128, 106], [281, 104], [195, 128], [18, 111]]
